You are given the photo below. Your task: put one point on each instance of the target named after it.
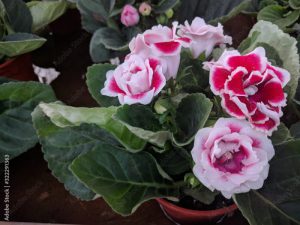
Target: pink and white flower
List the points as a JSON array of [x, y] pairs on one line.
[[250, 87], [160, 42], [137, 80], [204, 37], [231, 157], [129, 16]]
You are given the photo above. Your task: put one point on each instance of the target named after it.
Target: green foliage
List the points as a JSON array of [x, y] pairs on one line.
[[96, 76], [277, 202], [17, 100], [207, 9], [62, 145], [191, 115], [45, 12], [279, 15], [67, 116], [141, 121], [17, 16], [123, 179], [20, 43]]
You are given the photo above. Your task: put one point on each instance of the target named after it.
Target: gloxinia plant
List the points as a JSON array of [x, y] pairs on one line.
[[169, 128]]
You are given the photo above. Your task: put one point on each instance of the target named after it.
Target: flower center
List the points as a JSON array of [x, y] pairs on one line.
[[230, 161]]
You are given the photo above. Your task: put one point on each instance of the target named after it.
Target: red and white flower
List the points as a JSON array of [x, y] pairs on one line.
[[250, 87], [231, 157], [160, 42], [137, 80], [204, 37]]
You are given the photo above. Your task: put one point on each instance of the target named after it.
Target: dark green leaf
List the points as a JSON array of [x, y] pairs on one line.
[[281, 135], [62, 145], [95, 13], [125, 180], [201, 194], [208, 10], [191, 116], [295, 4], [17, 101], [65, 116], [279, 15], [175, 161], [295, 130], [141, 121], [96, 76], [20, 43], [278, 201], [110, 38], [19, 17]]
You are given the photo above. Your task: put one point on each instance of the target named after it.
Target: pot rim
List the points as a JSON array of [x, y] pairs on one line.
[[193, 212]]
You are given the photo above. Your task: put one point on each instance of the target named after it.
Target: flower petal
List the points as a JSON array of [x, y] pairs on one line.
[[217, 79], [255, 60]]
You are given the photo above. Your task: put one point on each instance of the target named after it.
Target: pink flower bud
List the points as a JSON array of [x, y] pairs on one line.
[[129, 16], [145, 9]]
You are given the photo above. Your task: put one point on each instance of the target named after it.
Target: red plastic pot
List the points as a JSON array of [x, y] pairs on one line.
[[189, 217], [19, 68]]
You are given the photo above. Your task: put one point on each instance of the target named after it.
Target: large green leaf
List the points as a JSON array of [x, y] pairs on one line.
[[96, 76], [110, 38], [18, 15], [65, 116], [123, 179], [295, 4], [295, 130], [175, 161], [45, 12], [95, 13], [141, 121], [278, 202], [207, 9], [285, 46], [281, 135], [62, 145], [20, 43], [17, 101], [191, 115], [279, 15]]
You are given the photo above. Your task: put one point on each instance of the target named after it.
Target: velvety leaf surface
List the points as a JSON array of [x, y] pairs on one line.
[[279, 15], [123, 179], [17, 101], [45, 12], [65, 116], [295, 130], [175, 161], [95, 13], [281, 135], [62, 145], [18, 15], [141, 121], [191, 115], [20, 43], [206, 9], [278, 201]]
